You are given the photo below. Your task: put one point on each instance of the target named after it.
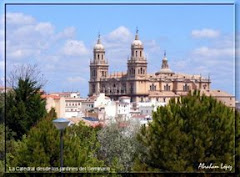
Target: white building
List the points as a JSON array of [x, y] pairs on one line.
[[66, 104], [123, 106], [146, 108]]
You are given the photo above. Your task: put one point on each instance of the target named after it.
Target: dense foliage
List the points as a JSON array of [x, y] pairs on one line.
[[188, 131], [40, 148], [24, 107]]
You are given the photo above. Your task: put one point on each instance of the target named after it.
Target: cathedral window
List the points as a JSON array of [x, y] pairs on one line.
[[167, 88], [93, 88], [136, 53], [204, 86], [185, 88], [140, 53], [153, 87]]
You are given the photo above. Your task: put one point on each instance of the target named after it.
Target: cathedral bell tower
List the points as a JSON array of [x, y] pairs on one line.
[[137, 71], [98, 68], [137, 64]]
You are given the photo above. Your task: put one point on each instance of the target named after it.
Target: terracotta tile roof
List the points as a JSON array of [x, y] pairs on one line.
[[50, 96], [140, 116]]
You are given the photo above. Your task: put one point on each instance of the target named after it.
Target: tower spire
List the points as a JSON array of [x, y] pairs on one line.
[[99, 38], [136, 36]]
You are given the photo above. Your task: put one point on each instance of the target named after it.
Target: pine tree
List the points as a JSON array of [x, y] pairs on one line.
[[40, 147], [188, 131], [24, 105]]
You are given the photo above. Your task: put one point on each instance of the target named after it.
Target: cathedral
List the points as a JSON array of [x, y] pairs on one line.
[[136, 82]]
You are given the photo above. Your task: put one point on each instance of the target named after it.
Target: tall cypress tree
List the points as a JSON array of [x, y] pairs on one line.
[[188, 131]]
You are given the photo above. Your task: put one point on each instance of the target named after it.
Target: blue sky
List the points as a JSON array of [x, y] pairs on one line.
[[198, 39]]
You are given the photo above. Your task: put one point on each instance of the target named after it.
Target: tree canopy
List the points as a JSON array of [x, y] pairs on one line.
[[190, 130], [24, 104], [40, 147]]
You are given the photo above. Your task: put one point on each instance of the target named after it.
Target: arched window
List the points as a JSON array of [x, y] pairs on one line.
[[136, 53], [166, 87], [141, 71], [140, 53]]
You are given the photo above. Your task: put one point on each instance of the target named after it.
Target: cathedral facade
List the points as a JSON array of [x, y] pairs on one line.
[[136, 82]]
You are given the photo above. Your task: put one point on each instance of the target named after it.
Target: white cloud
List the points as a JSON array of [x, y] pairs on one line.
[[76, 79], [75, 48], [19, 19], [44, 28], [152, 46], [68, 32], [214, 52], [205, 33], [121, 34]]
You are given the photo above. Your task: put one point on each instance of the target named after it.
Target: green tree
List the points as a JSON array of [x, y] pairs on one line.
[[188, 131], [40, 147], [24, 104]]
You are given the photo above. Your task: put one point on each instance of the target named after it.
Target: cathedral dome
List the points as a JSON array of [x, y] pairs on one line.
[[137, 42], [99, 45]]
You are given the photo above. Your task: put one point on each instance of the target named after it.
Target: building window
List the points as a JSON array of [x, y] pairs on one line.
[[185, 88], [140, 53], [167, 88], [136, 53], [102, 56], [93, 88], [153, 87], [141, 99], [98, 56], [164, 99], [157, 99]]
